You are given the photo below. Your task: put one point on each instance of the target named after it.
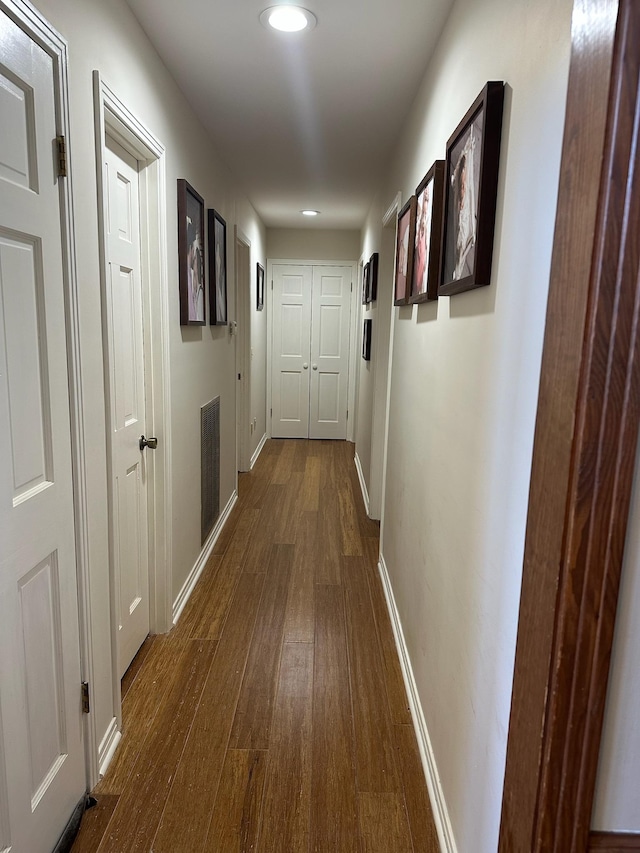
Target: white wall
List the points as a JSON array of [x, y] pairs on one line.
[[463, 400], [313, 244], [106, 36], [617, 801], [367, 369]]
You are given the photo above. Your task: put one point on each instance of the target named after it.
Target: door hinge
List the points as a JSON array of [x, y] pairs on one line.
[[62, 156], [351, 288], [271, 412], [347, 414], [239, 376], [271, 284], [85, 697]]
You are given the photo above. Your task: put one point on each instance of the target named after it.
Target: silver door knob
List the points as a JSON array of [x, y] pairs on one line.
[[151, 443], [315, 366], [306, 366]]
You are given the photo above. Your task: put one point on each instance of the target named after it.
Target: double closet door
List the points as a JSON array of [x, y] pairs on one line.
[[310, 350]]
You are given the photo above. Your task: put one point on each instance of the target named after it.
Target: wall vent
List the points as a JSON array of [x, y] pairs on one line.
[[210, 464]]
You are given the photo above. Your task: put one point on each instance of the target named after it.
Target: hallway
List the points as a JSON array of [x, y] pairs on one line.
[[273, 718]]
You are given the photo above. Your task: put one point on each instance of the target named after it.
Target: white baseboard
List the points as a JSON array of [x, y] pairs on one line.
[[108, 746], [436, 794], [363, 485], [258, 451], [201, 562]]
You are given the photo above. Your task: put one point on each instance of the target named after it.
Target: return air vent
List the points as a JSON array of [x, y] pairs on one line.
[[210, 464]]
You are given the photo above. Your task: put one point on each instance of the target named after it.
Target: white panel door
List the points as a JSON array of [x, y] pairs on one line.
[[42, 774], [291, 351], [129, 525], [330, 327]]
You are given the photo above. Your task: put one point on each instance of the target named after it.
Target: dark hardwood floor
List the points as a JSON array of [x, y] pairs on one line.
[[273, 718]]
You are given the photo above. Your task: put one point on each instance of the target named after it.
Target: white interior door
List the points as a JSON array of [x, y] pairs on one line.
[[125, 357], [291, 351], [42, 774], [330, 327], [310, 350]]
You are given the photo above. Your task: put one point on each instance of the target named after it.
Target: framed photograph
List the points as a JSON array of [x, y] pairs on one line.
[[366, 340], [405, 238], [428, 238], [260, 288], [473, 159], [365, 284], [373, 277], [217, 269], [191, 255]]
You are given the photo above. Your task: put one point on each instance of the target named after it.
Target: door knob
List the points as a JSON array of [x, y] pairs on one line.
[[315, 366], [151, 443], [306, 366]]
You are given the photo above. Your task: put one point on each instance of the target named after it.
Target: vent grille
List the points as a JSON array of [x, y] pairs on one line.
[[210, 464]]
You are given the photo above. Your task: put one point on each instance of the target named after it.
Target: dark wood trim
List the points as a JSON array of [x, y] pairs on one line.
[[613, 842], [584, 448]]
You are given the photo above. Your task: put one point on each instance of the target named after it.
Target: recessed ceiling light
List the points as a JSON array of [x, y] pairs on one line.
[[309, 212], [288, 19]]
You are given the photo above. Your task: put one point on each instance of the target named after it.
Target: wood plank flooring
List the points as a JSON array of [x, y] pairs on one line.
[[273, 718]]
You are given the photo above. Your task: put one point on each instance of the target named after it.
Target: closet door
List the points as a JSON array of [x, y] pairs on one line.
[[42, 757], [291, 351], [330, 324]]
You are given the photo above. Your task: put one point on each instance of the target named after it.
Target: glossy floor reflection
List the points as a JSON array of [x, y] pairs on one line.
[[273, 718]]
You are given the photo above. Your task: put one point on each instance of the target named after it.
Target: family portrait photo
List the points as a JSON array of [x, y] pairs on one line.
[[191, 255], [462, 213], [473, 160], [428, 239], [404, 252], [217, 269], [424, 212]]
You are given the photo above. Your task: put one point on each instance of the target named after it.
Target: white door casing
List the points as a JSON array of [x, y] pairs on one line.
[[114, 119], [291, 350], [126, 402], [42, 772], [310, 354], [330, 331]]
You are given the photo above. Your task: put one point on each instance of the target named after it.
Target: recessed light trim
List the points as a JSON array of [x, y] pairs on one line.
[[288, 18], [309, 212]]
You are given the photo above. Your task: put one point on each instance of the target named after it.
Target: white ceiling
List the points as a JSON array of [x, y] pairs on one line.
[[307, 119]]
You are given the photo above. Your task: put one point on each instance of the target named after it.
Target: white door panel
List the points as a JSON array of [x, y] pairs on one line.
[[41, 752], [125, 357], [291, 351], [331, 314]]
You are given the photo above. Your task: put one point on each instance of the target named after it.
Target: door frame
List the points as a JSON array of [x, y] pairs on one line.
[[353, 332], [41, 31], [243, 354], [113, 117], [584, 450]]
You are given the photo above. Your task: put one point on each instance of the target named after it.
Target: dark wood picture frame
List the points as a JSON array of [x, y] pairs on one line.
[[405, 239], [471, 188], [217, 269], [365, 284], [366, 340], [428, 235], [373, 277], [191, 275], [259, 287]]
